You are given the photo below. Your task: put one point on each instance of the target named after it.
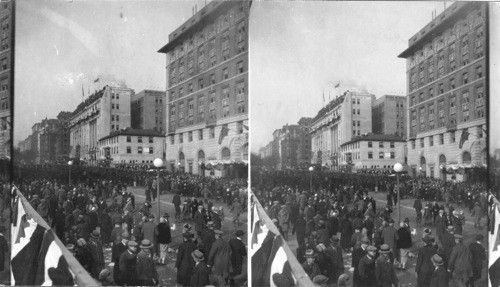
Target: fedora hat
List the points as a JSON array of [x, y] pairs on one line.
[[309, 253], [384, 248], [197, 255], [437, 260], [146, 244], [132, 243], [371, 248]]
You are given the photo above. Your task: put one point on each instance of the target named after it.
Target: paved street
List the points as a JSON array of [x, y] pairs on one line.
[[167, 273], [408, 277]]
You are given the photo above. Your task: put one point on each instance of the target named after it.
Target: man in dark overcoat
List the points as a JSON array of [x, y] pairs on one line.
[[146, 267], [238, 252], [440, 277], [96, 253], [116, 252], [185, 261], [357, 254], [384, 270], [478, 256], [424, 267], [367, 277], [200, 275], [128, 265]]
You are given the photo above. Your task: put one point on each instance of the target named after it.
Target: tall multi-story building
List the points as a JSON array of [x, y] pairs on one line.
[[304, 143], [148, 110], [104, 112], [207, 90], [389, 115], [7, 15], [446, 76], [343, 119]]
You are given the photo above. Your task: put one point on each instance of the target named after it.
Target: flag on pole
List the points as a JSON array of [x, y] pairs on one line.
[[337, 85], [223, 133], [464, 137], [83, 93], [96, 80]]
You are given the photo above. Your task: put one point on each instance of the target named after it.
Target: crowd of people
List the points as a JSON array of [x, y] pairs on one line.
[[95, 211], [337, 218]]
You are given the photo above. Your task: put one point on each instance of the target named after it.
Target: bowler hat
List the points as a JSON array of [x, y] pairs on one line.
[[335, 239], [96, 233], [197, 255], [365, 240], [437, 260], [371, 248], [132, 243]]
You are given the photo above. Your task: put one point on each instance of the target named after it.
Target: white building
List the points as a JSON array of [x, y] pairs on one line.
[[98, 116]]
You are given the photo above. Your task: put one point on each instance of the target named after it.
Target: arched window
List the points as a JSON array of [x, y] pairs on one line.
[[181, 158], [201, 155], [225, 153], [466, 158], [442, 159]]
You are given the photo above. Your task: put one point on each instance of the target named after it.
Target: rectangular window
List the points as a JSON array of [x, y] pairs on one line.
[[369, 144], [381, 155], [413, 144], [370, 154], [139, 139], [190, 136], [393, 155], [480, 106], [422, 142], [212, 132], [431, 140], [465, 78], [181, 138], [150, 139], [240, 67], [240, 127], [465, 106], [172, 139], [201, 109], [441, 88], [200, 84], [225, 102], [225, 73], [381, 144], [479, 72], [441, 139], [200, 134], [452, 136], [431, 93], [129, 139], [392, 144], [129, 149], [139, 150], [465, 50], [212, 79], [150, 150]]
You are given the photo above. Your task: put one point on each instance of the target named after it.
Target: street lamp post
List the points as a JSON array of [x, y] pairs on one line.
[[158, 162], [70, 163], [398, 168], [311, 178]]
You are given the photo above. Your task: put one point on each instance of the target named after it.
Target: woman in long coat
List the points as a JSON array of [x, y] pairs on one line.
[[345, 232], [185, 262]]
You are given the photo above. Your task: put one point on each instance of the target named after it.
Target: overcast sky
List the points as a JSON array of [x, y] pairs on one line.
[[298, 49], [62, 45]]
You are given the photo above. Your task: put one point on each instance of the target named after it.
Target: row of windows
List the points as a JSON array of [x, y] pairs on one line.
[[227, 105], [381, 155], [443, 87], [140, 150], [202, 82], [370, 145], [452, 138], [428, 71], [200, 132]]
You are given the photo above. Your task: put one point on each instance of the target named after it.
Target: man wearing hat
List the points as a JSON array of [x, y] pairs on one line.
[[460, 262], [116, 251], [238, 252], [96, 253], [148, 230], [310, 267], [448, 242], [357, 254], [384, 270], [477, 212], [164, 237], [128, 265], [208, 237], [200, 274], [219, 258], [185, 261], [146, 267], [478, 256], [424, 267], [440, 277], [366, 268], [284, 220], [440, 225], [390, 237], [199, 220], [336, 262]]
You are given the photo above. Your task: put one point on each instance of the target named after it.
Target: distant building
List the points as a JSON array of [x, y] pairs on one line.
[[104, 112], [304, 143], [446, 76], [131, 147], [148, 110], [207, 91], [389, 115], [341, 120], [374, 152], [7, 15]]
